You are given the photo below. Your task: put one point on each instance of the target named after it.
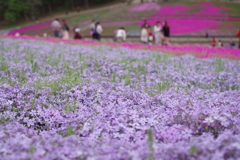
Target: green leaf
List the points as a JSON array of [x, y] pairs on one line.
[[70, 131], [193, 150]]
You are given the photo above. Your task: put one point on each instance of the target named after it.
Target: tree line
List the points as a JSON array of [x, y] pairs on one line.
[[12, 10]]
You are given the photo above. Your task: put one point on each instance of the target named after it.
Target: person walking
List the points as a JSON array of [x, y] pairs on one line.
[[166, 33], [56, 26], [157, 32], [144, 35], [92, 27], [121, 35], [97, 32]]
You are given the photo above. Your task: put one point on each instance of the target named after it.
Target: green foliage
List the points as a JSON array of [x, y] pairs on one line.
[[150, 143], [114, 77], [220, 65], [16, 5], [14, 8], [70, 79], [3, 66], [68, 108], [127, 78], [34, 99], [70, 131], [10, 16], [193, 150], [150, 139]]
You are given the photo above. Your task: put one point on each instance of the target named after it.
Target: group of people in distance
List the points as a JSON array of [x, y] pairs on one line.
[[219, 43], [96, 30], [61, 30], [160, 33]]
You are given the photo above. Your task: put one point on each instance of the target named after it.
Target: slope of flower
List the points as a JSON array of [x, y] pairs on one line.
[[33, 28], [194, 20], [209, 17], [62, 101]]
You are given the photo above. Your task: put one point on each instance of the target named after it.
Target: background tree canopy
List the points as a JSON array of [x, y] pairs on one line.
[[12, 10]]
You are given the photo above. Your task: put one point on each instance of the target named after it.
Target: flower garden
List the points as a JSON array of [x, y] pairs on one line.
[[84, 100], [185, 19]]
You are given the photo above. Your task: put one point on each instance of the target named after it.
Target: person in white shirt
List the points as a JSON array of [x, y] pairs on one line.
[[157, 32], [98, 31], [121, 35], [92, 27], [144, 35], [56, 26]]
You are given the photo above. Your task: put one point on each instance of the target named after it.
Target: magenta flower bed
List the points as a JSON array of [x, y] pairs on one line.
[[181, 22], [34, 27]]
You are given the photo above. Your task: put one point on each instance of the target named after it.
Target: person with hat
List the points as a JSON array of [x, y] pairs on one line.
[[77, 34]]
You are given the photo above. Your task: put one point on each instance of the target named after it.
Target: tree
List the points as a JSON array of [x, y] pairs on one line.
[[86, 3], [33, 8], [48, 3], [3, 8], [14, 8]]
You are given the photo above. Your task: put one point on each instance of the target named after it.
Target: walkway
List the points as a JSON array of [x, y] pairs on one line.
[[197, 40]]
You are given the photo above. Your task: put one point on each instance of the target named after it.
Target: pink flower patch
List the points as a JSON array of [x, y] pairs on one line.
[[32, 27], [181, 22]]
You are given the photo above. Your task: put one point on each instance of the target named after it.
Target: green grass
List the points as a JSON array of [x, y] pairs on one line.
[[232, 8], [220, 65], [180, 3], [194, 10], [75, 20]]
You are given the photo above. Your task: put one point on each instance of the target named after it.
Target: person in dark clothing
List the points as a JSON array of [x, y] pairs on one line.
[[166, 33], [145, 23], [77, 34], [231, 44], [97, 32]]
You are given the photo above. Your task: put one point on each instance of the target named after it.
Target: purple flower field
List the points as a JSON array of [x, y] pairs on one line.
[[60, 101]]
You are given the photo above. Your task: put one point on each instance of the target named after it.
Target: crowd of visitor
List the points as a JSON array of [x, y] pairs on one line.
[[158, 34]]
